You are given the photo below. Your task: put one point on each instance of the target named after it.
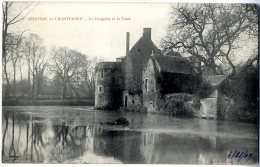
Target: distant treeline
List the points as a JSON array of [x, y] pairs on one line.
[[21, 102]]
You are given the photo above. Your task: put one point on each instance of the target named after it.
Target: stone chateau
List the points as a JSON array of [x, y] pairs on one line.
[[145, 76]]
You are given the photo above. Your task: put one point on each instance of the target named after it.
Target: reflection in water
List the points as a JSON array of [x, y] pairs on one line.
[[12, 152], [5, 117], [42, 143], [31, 137]]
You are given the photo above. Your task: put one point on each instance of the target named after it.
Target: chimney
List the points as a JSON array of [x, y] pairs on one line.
[[147, 33], [127, 42]]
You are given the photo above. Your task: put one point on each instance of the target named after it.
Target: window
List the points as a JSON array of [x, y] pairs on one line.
[[151, 103], [102, 74], [126, 101], [146, 85], [100, 89]]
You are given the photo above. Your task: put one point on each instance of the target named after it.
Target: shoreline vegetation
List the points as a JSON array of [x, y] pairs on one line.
[[48, 102]]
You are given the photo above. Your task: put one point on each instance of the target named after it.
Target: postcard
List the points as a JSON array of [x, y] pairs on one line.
[[130, 83]]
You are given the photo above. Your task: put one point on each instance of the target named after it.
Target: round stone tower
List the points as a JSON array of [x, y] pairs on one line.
[[108, 85]]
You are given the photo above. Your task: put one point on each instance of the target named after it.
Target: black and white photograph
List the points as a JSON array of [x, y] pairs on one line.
[[130, 83]]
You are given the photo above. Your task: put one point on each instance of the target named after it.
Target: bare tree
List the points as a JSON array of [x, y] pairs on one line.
[[88, 74], [6, 77], [67, 64], [10, 17], [16, 55], [208, 33], [5, 60], [37, 62]]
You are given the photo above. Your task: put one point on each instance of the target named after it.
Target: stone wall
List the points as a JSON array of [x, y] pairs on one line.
[[132, 102], [208, 108], [136, 60], [216, 104], [108, 86], [150, 88]]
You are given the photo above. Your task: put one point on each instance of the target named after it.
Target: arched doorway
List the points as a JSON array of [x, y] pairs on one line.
[[125, 101]]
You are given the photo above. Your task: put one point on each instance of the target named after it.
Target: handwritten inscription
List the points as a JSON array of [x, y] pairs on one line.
[[239, 155]]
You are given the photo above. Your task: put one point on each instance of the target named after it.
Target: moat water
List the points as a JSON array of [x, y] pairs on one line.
[[52, 134]]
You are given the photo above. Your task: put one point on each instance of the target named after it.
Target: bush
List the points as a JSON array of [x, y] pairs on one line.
[[120, 121], [177, 105], [242, 112], [135, 108], [244, 89]]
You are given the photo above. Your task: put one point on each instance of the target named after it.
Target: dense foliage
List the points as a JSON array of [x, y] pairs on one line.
[[244, 91], [177, 105]]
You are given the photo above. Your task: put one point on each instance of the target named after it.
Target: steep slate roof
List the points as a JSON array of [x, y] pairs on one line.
[[137, 59], [145, 45], [173, 64]]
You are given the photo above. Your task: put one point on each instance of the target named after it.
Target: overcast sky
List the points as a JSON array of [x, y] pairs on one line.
[[104, 39]]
